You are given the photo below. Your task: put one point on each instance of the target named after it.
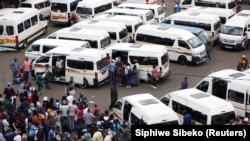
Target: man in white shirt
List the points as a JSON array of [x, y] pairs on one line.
[[59, 66]]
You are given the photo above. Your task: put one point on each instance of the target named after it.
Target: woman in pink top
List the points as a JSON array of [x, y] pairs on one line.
[[26, 69]]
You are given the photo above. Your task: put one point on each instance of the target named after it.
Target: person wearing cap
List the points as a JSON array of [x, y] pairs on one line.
[[244, 63]]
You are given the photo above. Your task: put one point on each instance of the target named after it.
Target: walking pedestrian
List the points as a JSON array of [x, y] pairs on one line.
[[209, 46], [177, 8], [113, 96], [14, 66], [154, 77], [26, 69], [131, 40], [47, 76], [184, 83]]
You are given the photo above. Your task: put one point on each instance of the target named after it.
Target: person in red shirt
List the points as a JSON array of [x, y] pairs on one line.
[[96, 111], [26, 69]]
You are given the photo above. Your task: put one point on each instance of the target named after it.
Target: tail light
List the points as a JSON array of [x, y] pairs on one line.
[[146, 1], [160, 69], [93, 16], [96, 75], [213, 34], [16, 38], [118, 41], [69, 16]]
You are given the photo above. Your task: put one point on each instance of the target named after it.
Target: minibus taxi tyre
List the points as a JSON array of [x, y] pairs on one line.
[[182, 60], [84, 85]]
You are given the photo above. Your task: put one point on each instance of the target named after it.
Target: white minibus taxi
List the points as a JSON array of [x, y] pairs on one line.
[[147, 56], [42, 5], [142, 1], [88, 9], [131, 22], [204, 108], [97, 38], [157, 9], [230, 85], [88, 67], [117, 30], [6, 10], [144, 109], [233, 33], [41, 46], [224, 14], [147, 16], [21, 26], [210, 23], [62, 11], [223, 4], [183, 46]]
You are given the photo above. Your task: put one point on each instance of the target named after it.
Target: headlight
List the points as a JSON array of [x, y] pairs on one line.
[[196, 54]]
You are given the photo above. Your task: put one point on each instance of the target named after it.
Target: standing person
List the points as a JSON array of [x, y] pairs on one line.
[[14, 66], [244, 63], [163, 5], [154, 77], [248, 37], [209, 46], [58, 69], [39, 82], [26, 69], [184, 83], [187, 119], [136, 70], [177, 8], [112, 72], [46, 77], [131, 40], [113, 96]]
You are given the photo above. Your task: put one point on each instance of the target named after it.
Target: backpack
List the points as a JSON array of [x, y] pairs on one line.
[[31, 132]]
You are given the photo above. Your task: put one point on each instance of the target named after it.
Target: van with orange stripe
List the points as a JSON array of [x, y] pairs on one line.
[[88, 67], [20, 27]]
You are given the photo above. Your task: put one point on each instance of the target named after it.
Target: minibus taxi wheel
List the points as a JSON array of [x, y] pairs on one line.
[[84, 85], [245, 2], [182, 60]]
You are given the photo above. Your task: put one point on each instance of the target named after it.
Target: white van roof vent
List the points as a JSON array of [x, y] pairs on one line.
[[110, 16], [75, 29], [243, 14], [93, 21], [136, 45], [162, 28], [194, 14], [18, 12], [200, 95], [77, 49], [148, 102], [236, 75]]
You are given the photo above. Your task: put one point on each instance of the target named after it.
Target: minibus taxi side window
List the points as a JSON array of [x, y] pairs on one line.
[[10, 30], [183, 44], [43, 59], [118, 105], [187, 2], [1, 29], [166, 21], [20, 28], [165, 100], [134, 119]]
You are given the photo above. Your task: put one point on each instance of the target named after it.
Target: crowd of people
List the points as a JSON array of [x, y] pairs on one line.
[[69, 118]]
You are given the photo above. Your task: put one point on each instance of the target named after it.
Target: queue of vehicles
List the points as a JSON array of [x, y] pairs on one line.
[[92, 51]]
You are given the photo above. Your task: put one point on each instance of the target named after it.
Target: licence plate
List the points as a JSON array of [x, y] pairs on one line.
[[228, 47]]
